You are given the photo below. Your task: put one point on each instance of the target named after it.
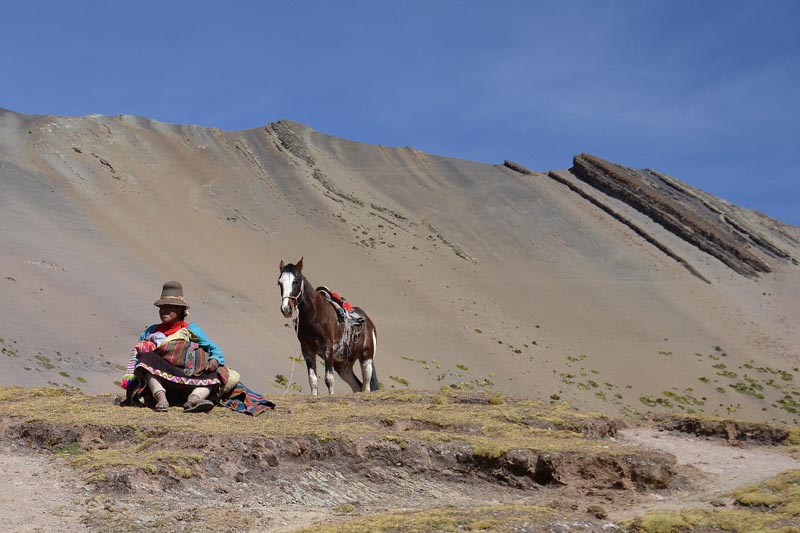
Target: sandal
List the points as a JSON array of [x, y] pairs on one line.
[[191, 401], [162, 406], [200, 406]]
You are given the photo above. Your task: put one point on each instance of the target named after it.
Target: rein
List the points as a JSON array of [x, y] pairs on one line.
[[296, 316], [296, 325]]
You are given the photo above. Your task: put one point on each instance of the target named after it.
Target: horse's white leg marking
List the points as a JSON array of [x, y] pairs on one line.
[[366, 374], [327, 356], [329, 380], [286, 280], [366, 366], [312, 381]]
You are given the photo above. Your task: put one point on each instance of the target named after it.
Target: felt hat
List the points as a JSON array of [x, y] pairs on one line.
[[172, 294]]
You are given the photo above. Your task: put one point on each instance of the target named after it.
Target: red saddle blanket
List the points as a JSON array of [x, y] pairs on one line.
[[335, 297]]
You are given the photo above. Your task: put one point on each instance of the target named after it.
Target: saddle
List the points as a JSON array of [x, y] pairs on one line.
[[347, 315]]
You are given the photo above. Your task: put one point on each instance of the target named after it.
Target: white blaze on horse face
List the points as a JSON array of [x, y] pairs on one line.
[[286, 281]]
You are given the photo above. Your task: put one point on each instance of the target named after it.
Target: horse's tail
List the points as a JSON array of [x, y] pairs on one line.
[[373, 382]]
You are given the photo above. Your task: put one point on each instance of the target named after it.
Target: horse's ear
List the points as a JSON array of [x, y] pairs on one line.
[[281, 267], [299, 265]]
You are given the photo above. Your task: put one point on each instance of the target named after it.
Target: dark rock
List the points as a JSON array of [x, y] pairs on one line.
[[730, 430], [684, 212], [624, 220], [291, 141], [517, 167]]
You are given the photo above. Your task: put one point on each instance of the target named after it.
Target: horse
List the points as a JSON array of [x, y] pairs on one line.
[[338, 344]]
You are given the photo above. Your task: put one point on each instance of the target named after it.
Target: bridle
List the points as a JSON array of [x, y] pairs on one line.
[[299, 293], [296, 308]]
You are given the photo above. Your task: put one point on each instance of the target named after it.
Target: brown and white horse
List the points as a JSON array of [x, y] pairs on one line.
[[321, 334]]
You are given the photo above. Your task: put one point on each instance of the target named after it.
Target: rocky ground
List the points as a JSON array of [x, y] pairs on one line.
[[185, 473]]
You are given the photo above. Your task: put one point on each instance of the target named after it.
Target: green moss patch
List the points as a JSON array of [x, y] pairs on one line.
[[772, 506], [489, 518]]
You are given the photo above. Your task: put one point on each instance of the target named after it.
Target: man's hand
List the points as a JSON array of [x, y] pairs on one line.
[[213, 365]]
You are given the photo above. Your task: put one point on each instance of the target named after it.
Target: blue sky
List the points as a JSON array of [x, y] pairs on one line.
[[706, 91]]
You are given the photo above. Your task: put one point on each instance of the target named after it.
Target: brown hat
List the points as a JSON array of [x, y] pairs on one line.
[[172, 294]]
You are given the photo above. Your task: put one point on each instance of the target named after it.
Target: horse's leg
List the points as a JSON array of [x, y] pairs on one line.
[[366, 374], [367, 353], [329, 381], [345, 371], [311, 364]]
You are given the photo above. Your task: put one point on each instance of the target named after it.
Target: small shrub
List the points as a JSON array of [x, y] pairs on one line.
[[496, 399], [70, 449], [344, 508]]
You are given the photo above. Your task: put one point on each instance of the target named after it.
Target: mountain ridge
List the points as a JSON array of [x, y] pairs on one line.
[[508, 274]]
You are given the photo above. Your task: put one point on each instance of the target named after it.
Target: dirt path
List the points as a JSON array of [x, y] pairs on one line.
[[37, 495], [41, 494], [719, 468]]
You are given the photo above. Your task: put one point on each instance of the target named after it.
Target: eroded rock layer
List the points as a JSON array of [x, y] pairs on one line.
[[713, 229]]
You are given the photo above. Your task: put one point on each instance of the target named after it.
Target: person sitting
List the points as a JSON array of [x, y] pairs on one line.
[[174, 361]]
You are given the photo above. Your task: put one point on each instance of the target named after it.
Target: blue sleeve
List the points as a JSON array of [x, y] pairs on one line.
[[147, 332], [205, 343]]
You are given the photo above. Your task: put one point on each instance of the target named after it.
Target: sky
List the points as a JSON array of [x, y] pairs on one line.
[[705, 91]]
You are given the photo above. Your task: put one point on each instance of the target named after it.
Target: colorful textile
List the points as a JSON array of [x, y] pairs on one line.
[[181, 351], [166, 329], [213, 351], [229, 379], [144, 347], [127, 380], [177, 385], [341, 301], [244, 400], [156, 365], [132, 362]]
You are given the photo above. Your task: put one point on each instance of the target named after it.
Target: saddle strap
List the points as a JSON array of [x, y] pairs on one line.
[[351, 331]]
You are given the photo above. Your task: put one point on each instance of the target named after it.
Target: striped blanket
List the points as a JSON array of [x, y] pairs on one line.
[[244, 400]]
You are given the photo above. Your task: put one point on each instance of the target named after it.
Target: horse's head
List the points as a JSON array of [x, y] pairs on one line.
[[290, 283]]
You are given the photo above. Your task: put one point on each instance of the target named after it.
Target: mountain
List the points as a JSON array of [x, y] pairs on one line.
[[611, 288]]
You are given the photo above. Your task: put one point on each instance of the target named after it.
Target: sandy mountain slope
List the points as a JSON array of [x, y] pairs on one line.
[[607, 287]]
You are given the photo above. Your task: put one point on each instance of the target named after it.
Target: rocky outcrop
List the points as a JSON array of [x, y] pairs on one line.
[[731, 430], [614, 214], [684, 212], [624, 220], [258, 459], [517, 167], [290, 140]]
